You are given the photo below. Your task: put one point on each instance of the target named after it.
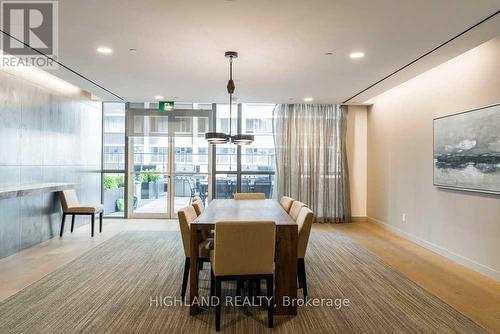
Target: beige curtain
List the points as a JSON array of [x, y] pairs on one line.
[[311, 161]]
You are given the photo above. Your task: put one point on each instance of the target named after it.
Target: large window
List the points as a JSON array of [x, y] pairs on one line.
[[113, 159], [249, 168]]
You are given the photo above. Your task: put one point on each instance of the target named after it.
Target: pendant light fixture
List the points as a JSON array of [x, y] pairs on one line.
[[222, 138]]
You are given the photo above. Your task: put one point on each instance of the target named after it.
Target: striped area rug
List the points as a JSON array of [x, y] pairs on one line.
[[118, 287]]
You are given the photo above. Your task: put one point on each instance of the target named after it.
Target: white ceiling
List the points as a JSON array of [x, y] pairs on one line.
[[282, 44]]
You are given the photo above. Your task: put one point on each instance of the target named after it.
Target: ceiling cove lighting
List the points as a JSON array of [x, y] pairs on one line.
[[104, 50], [356, 55], [39, 77], [223, 138]]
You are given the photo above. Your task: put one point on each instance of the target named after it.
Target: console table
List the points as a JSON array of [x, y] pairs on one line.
[[33, 189]]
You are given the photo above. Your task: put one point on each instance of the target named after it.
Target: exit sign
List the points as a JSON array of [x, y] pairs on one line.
[[166, 106]]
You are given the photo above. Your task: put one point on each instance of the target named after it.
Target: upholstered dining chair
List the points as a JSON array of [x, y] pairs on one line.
[[286, 203], [198, 205], [295, 209], [186, 216], [249, 196], [304, 222], [230, 259], [199, 208], [71, 206]]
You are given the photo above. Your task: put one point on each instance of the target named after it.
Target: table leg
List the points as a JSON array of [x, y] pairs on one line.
[[286, 269], [193, 271]]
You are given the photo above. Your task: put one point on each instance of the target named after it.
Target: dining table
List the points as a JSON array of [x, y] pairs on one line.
[[286, 246]]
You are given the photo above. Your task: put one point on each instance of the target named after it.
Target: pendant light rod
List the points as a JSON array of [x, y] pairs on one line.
[[222, 138], [230, 96], [231, 87]]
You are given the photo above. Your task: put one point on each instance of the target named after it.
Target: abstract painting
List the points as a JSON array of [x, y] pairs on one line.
[[467, 150]]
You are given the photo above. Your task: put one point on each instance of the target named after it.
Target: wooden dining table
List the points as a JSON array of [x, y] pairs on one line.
[[286, 245]]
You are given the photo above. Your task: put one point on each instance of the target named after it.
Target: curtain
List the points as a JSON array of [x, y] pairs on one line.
[[311, 159]]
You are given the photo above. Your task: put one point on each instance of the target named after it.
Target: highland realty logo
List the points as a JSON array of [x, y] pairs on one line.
[[29, 25]]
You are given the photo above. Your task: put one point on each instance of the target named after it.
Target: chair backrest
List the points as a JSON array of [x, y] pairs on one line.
[[286, 203], [198, 206], [295, 209], [304, 220], [68, 199], [186, 216], [244, 248], [249, 196]]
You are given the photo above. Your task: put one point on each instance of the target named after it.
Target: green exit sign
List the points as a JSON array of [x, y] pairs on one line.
[[166, 106]]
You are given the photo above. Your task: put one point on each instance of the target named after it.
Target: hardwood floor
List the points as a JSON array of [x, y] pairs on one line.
[[471, 293]]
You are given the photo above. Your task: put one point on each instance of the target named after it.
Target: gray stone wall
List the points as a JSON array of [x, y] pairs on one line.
[[44, 137]]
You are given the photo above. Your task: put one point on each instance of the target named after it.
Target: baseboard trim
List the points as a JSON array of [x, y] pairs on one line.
[[359, 219], [469, 263]]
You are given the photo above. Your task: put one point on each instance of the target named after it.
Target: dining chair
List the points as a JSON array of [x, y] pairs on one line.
[[186, 216], [71, 206], [304, 222], [198, 205], [286, 203], [295, 209], [192, 189], [239, 196], [230, 259]]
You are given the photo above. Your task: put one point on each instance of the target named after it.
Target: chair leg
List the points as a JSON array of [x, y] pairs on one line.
[[299, 274], [212, 283], [257, 287], [200, 265], [218, 293], [302, 270], [270, 298], [185, 278], [239, 287], [62, 224], [72, 223], [92, 226], [100, 222]]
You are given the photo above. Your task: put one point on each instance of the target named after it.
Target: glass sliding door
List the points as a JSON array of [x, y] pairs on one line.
[[168, 160], [149, 175]]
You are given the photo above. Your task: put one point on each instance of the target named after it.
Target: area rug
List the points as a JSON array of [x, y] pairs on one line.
[[128, 283]]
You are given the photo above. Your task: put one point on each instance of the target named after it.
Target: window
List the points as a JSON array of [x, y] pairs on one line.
[[248, 168], [184, 125], [114, 136], [113, 159], [257, 125]]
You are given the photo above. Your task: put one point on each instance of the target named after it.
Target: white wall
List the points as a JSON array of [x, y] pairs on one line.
[[356, 158], [460, 225]]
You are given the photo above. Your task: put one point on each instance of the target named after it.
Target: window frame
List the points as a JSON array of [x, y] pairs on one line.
[[239, 150], [104, 170]]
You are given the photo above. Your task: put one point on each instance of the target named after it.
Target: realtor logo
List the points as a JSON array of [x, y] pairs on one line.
[[29, 25]]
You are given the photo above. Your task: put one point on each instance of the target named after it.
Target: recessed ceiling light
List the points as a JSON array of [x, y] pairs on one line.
[[104, 50], [308, 99], [356, 55], [132, 50], [158, 97]]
